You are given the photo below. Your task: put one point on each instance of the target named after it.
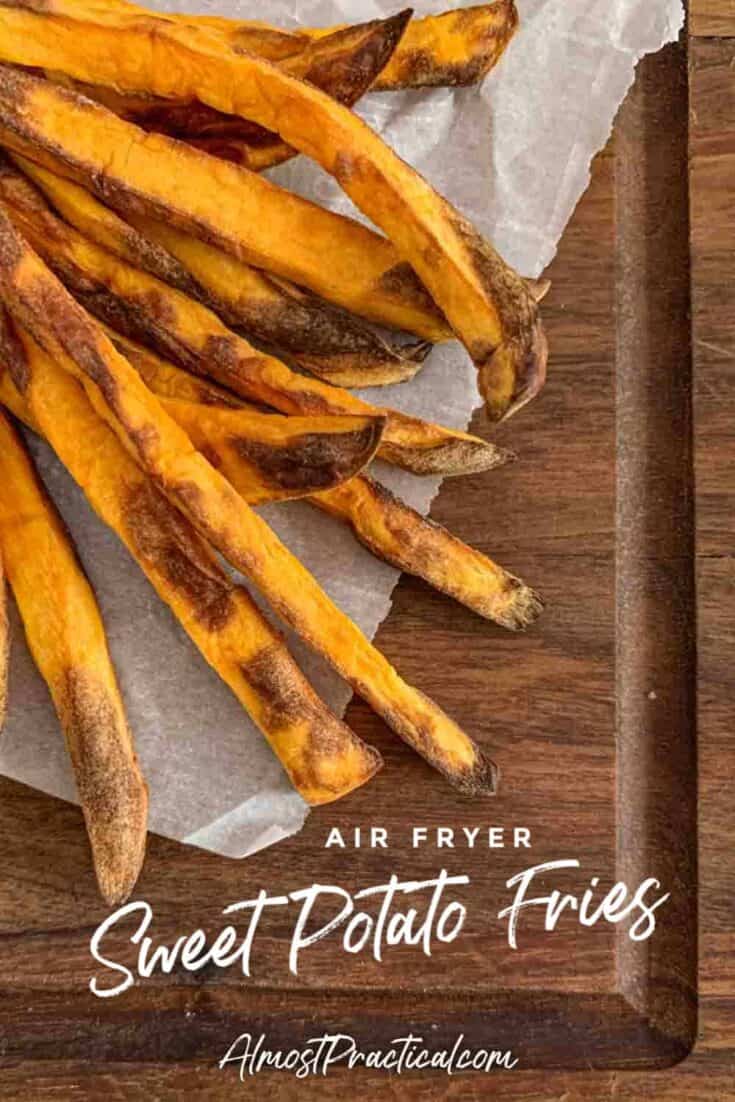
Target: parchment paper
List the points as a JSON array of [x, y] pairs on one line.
[[515, 156]]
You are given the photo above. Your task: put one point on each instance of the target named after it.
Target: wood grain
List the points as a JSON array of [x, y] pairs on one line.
[[712, 17], [546, 707], [709, 1073]]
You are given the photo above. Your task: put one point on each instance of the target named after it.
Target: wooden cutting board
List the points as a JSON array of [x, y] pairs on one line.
[[592, 715]]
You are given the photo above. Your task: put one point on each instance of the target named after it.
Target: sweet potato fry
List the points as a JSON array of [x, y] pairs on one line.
[[190, 121], [4, 642], [322, 339], [110, 231], [255, 36], [412, 543], [458, 47], [487, 304], [383, 523], [40, 303], [67, 639], [227, 136], [279, 458], [344, 63], [261, 224], [388, 527], [321, 755], [169, 381], [144, 308], [285, 457], [242, 151]]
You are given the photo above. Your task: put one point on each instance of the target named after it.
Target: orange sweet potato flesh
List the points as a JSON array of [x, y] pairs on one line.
[[226, 136], [320, 338], [263, 225], [169, 381], [388, 527], [344, 63], [321, 755], [144, 308], [41, 304], [67, 639], [488, 305], [80, 208]]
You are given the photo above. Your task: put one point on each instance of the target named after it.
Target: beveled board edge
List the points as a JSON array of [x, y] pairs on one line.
[[655, 546]]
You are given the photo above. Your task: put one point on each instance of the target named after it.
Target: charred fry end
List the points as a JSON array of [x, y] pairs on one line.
[[484, 779], [454, 49], [108, 782], [347, 74], [522, 606], [514, 374], [312, 461]]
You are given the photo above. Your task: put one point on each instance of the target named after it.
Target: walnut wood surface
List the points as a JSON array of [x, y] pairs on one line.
[[544, 702]]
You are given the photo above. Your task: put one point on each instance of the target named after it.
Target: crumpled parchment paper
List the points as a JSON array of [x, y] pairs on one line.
[[514, 155]]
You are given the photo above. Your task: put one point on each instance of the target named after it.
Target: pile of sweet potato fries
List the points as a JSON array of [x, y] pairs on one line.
[[181, 331]]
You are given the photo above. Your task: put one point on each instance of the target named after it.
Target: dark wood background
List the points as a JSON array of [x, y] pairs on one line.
[[536, 700]]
